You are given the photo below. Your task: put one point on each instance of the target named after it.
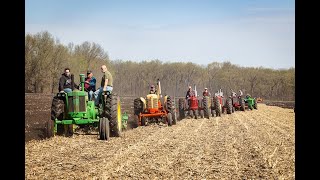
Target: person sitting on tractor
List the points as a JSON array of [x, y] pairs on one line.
[[152, 89], [90, 84], [106, 84], [65, 84], [206, 92]]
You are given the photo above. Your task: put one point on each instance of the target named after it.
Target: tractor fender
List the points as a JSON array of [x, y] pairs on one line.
[[144, 102]]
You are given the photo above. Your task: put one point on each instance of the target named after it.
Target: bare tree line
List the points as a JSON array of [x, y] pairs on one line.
[[46, 58]]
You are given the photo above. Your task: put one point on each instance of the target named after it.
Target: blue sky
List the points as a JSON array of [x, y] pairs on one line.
[[248, 33]]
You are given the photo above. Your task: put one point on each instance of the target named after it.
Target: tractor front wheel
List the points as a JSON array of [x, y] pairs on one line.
[[104, 129], [181, 109]]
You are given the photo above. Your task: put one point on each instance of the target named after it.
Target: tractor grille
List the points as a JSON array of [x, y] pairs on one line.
[[71, 106], [152, 103], [82, 103], [77, 103]]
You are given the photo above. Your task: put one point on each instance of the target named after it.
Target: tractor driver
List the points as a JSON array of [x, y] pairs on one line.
[[152, 89], [206, 92], [190, 93]]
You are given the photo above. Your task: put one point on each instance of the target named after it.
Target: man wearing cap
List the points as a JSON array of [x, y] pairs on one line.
[[90, 84], [206, 92]]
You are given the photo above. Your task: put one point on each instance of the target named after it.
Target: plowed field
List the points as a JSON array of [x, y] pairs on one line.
[[258, 144]]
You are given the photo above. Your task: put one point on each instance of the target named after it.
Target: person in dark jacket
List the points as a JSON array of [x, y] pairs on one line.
[[65, 84], [90, 84]]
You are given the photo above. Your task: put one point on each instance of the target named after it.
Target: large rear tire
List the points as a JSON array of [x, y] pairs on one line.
[[57, 112], [137, 106], [206, 108], [113, 112], [218, 107], [229, 105], [181, 109], [242, 104]]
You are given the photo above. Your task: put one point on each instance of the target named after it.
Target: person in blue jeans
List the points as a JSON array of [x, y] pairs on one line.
[[90, 84], [65, 84], [106, 84]]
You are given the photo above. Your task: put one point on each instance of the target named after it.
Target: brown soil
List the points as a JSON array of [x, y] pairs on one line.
[[256, 144]]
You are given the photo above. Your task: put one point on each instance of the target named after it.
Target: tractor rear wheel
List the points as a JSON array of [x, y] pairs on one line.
[[57, 108], [113, 112], [229, 105], [242, 104], [218, 107], [181, 109], [57, 112], [137, 106], [104, 128], [169, 119], [206, 108]]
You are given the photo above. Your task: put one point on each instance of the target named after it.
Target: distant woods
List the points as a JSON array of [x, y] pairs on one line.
[[46, 58]]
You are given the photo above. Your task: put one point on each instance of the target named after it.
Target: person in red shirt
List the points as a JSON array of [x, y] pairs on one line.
[[206, 92], [90, 84]]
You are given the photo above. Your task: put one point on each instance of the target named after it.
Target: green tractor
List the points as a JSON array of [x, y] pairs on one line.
[[73, 109], [250, 102]]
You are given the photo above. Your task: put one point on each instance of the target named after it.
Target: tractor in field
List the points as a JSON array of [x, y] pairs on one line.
[[154, 109], [221, 104], [250, 103], [194, 106], [72, 109], [238, 102]]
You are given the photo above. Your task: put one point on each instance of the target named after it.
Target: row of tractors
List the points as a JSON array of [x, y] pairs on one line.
[[74, 109], [206, 106]]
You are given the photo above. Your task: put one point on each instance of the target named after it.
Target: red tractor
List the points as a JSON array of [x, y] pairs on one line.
[[238, 102], [220, 104], [152, 110], [195, 106]]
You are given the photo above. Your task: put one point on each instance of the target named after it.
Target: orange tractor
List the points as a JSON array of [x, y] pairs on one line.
[[154, 109]]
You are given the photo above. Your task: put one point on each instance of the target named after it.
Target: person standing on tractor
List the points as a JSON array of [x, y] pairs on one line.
[[152, 90], [90, 84], [106, 84], [206, 92], [65, 82], [190, 93]]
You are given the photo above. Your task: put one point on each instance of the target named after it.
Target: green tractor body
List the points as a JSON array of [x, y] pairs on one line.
[[250, 102]]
